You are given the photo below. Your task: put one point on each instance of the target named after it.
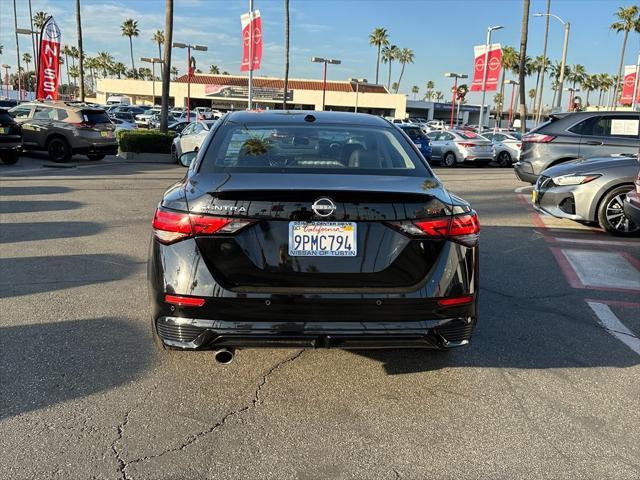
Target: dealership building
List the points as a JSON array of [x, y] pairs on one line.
[[227, 92]]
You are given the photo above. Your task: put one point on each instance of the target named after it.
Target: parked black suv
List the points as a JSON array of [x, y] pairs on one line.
[[10, 138], [568, 136]]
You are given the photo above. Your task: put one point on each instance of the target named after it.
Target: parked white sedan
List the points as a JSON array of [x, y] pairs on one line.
[[191, 138], [506, 145]]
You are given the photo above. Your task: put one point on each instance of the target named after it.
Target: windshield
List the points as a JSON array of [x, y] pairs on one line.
[[313, 149]]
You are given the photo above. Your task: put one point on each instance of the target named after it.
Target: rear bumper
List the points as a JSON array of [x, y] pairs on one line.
[[197, 334], [524, 172], [97, 148]]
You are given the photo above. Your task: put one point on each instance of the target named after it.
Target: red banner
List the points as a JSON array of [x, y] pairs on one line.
[[251, 30], [495, 67], [49, 64], [630, 78]]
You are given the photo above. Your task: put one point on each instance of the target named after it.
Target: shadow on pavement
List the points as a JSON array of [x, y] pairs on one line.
[[25, 232], [45, 364], [32, 190], [29, 206], [27, 275]]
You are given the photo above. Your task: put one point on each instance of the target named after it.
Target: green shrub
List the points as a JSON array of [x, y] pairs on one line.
[[145, 141]]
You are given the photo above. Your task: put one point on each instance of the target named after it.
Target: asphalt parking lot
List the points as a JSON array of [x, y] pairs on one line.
[[549, 388]]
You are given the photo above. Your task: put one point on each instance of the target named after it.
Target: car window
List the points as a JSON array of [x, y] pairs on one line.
[[197, 128], [20, 112], [188, 130], [312, 149], [43, 113], [61, 114], [608, 126], [446, 136]]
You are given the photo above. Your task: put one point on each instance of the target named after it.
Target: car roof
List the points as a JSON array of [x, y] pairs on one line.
[[294, 117]]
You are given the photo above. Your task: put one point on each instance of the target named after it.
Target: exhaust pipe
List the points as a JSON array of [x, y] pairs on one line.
[[224, 355]]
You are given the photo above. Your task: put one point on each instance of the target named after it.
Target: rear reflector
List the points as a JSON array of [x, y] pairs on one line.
[[170, 226], [537, 138], [184, 301], [454, 301]]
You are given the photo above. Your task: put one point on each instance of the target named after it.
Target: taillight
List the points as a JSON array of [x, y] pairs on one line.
[[467, 144], [463, 229], [170, 226], [537, 138], [518, 145]]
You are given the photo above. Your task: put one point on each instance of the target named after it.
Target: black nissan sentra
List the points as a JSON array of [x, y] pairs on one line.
[[311, 229]]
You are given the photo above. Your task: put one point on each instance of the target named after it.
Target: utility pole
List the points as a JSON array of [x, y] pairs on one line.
[[540, 89]]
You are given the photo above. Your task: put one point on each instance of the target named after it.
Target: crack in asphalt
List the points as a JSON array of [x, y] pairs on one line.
[[255, 402], [396, 473], [122, 465]]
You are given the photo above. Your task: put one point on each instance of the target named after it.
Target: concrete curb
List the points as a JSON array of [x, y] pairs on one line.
[[146, 157]]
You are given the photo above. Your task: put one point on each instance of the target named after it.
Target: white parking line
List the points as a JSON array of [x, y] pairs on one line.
[[620, 243], [614, 326], [603, 269]]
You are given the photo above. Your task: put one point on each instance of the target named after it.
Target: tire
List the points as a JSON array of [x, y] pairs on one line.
[[449, 160], [611, 216], [59, 150], [504, 159], [95, 156], [10, 157]]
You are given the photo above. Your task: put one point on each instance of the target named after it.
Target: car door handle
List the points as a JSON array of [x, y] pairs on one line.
[[593, 142]]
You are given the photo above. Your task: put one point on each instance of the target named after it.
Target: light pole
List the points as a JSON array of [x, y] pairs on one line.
[[513, 91], [454, 90], [152, 61], [200, 48], [567, 27], [486, 72], [6, 78], [27, 31], [324, 78], [357, 81]]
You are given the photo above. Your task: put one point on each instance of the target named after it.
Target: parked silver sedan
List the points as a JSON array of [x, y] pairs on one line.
[[451, 147], [590, 190], [507, 147], [191, 138]]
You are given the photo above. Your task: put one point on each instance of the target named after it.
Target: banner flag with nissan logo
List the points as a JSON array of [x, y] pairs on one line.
[[495, 66], [630, 79], [250, 24], [49, 65]]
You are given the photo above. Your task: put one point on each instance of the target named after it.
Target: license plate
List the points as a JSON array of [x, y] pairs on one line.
[[107, 134], [484, 148], [534, 196], [322, 239], [4, 130]]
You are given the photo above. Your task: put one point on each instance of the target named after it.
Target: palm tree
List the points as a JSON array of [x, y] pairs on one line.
[[497, 100], [80, 50], [174, 72], [38, 20], [119, 69], [90, 64], [66, 51], [214, 70], [158, 37], [578, 74], [509, 62], [405, 56], [74, 55], [415, 89], [26, 58], [532, 96], [379, 38], [539, 63], [389, 54], [439, 96], [628, 20], [523, 64], [105, 62], [430, 87], [74, 72], [130, 29], [145, 73], [588, 85], [166, 64], [286, 55], [394, 86]]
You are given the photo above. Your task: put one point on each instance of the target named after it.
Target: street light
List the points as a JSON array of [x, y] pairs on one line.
[[6, 77], [357, 81], [324, 81], [152, 61], [486, 72], [28, 31], [454, 90], [513, 90], [567, 26], [189, 47]]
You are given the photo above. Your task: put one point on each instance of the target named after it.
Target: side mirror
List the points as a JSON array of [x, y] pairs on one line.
[[186, 158]]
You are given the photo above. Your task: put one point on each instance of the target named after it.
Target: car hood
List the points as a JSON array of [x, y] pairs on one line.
[[591, 165]]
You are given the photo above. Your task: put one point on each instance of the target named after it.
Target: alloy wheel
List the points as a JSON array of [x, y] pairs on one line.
[[615, 216]]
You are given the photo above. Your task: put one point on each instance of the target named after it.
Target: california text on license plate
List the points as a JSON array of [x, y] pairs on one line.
[[323, 239], [106, 134]]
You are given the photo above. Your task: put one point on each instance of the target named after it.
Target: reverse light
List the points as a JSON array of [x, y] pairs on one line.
[[574, 179], [537, 138], [171, 226], [455, 301], [183, 301]]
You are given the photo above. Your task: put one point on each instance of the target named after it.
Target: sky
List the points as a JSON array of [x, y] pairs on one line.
[[441, 33]]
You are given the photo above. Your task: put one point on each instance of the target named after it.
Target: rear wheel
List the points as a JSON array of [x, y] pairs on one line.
[[95, 156], [10, 157], [59, 150], [449, 160], [611, 215], [504, 159]]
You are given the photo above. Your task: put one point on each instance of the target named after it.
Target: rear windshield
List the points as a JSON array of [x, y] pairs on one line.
[[313, 149], [95, 116]]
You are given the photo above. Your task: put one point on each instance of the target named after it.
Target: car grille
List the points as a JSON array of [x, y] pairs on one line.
[[545, 183], [178, 333], [456, 331]]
